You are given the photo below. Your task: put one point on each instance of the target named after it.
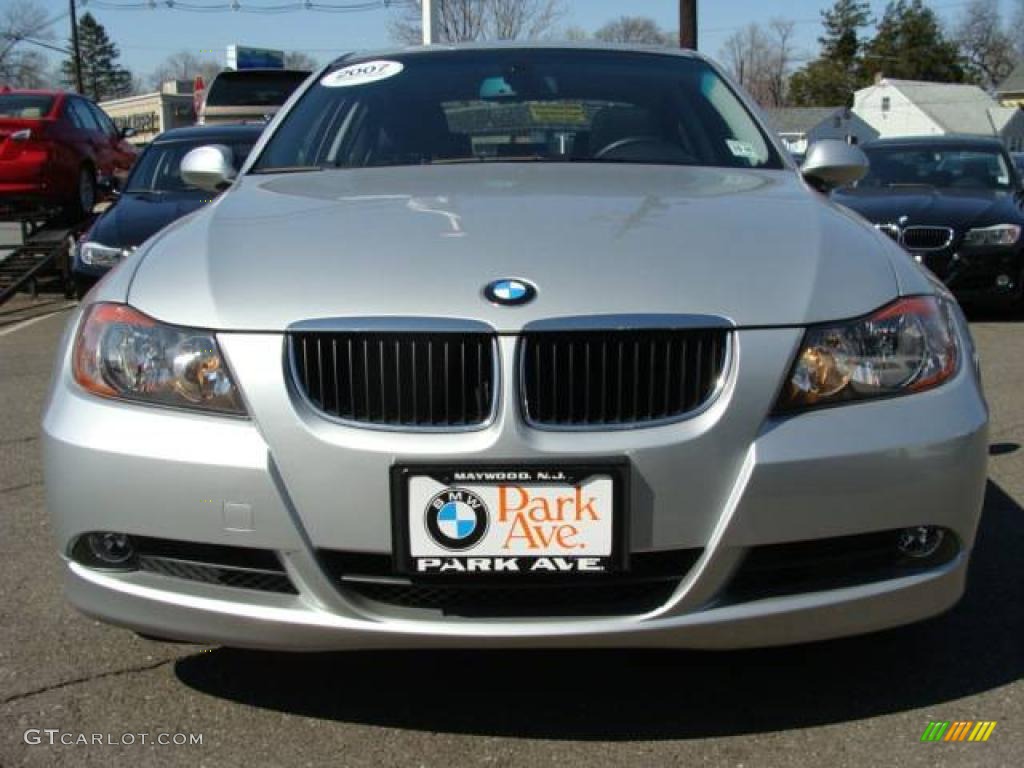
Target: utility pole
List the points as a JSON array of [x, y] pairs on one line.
[[688, 24], [76, 52], [431, 17]]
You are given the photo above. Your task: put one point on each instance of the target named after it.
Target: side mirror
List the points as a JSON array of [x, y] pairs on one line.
[[126, 133], [831, 163], [210, 168]]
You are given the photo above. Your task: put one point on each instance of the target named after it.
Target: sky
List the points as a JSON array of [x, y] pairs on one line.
[[147, 36]]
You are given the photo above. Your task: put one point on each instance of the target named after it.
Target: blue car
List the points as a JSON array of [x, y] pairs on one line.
[[154, 195]]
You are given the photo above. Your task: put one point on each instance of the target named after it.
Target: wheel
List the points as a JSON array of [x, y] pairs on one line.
[[81, 205]]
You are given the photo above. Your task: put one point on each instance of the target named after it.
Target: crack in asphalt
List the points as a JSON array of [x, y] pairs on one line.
[[23, 486], [86, 679], [19, 440]]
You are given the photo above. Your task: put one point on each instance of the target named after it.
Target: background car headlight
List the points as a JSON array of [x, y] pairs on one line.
[[1001, 234], [99, 255], [906, 347], [120, 352]]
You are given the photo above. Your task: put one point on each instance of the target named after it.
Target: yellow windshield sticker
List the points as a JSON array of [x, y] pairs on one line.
[[560, 112]]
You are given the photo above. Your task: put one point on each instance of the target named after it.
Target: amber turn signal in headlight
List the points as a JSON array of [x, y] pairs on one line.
[[120, 352], [908, 346]]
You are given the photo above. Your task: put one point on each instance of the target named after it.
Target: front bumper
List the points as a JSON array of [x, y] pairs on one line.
[[208, 616], [724, 482]]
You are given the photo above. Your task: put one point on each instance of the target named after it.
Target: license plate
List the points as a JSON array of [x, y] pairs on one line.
[[510, 520]]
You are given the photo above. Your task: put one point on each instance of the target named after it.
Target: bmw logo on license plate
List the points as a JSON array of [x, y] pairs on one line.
[[457, 519], [510, 292]]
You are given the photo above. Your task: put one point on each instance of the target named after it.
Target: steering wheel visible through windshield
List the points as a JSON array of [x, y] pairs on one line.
[[518, 105]]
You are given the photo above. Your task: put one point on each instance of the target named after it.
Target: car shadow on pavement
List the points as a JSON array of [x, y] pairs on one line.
[[982, 313], [627, 695]]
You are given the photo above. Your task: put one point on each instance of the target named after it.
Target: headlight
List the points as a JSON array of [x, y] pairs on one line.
[[120, 352], [986, 237], [906, 347], [101, 255]]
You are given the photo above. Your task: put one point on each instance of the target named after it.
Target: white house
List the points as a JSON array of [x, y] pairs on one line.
[[916, 108], [150, 114], [799, 127]]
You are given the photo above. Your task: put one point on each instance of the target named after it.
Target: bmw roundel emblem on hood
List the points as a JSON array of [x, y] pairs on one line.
[[510, 292]]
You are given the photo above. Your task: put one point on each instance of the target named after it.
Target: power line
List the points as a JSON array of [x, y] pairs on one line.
[[238, 6]]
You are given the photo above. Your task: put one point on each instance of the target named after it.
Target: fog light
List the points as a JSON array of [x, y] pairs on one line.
[[1004, 281], [104, 549], [921, 541]]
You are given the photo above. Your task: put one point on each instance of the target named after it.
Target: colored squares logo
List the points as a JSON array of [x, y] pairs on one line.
[[959, 730]]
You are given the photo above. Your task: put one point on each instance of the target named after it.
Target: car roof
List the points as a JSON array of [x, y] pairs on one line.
[[230, 73], [966, 142], [512, 45], [211, 133]]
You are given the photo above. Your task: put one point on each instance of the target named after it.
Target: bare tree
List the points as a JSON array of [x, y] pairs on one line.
[[466, 20], [23, 25], [780, 60], [986, 46], [634, 29], [519, 19], [184, 65], [300, 60], [761, 60], [575, 34], [746, 55]]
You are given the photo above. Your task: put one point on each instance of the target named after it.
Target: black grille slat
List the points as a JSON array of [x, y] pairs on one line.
[[337, 379], [351, 376], [642, 377], [398, 379]]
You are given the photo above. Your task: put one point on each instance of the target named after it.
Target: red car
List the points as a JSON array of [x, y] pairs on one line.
[[58, 149]]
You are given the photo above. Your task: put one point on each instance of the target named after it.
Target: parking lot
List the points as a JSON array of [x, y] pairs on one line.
[[858, 701]]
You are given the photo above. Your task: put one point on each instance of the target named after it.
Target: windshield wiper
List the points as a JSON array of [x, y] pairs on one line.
[[496, 159], [286, 169]]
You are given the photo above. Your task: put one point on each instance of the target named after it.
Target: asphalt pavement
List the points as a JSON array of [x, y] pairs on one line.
[[855, 702]]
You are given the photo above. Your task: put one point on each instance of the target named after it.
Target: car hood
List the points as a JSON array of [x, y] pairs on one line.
[[755, 247], [138, 216], [930, 206]]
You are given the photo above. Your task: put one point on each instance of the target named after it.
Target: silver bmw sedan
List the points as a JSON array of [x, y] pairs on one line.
[[505, 346]]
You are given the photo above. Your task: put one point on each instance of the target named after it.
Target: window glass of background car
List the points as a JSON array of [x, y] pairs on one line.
[[85, 120], [250, 88], [557, 106], [105, 123], [953, 168], [24, 106], [71, 115], [159, 167]]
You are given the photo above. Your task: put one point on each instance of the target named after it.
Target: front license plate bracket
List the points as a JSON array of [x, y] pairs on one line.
[[526, 522]]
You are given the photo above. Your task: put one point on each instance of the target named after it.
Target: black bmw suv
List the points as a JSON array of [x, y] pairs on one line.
[[956, 204]]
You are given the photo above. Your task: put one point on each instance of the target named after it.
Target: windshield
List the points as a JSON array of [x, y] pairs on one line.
[[159, 167], [939, 167], [519, 106], [25, 106], [253, 88]]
